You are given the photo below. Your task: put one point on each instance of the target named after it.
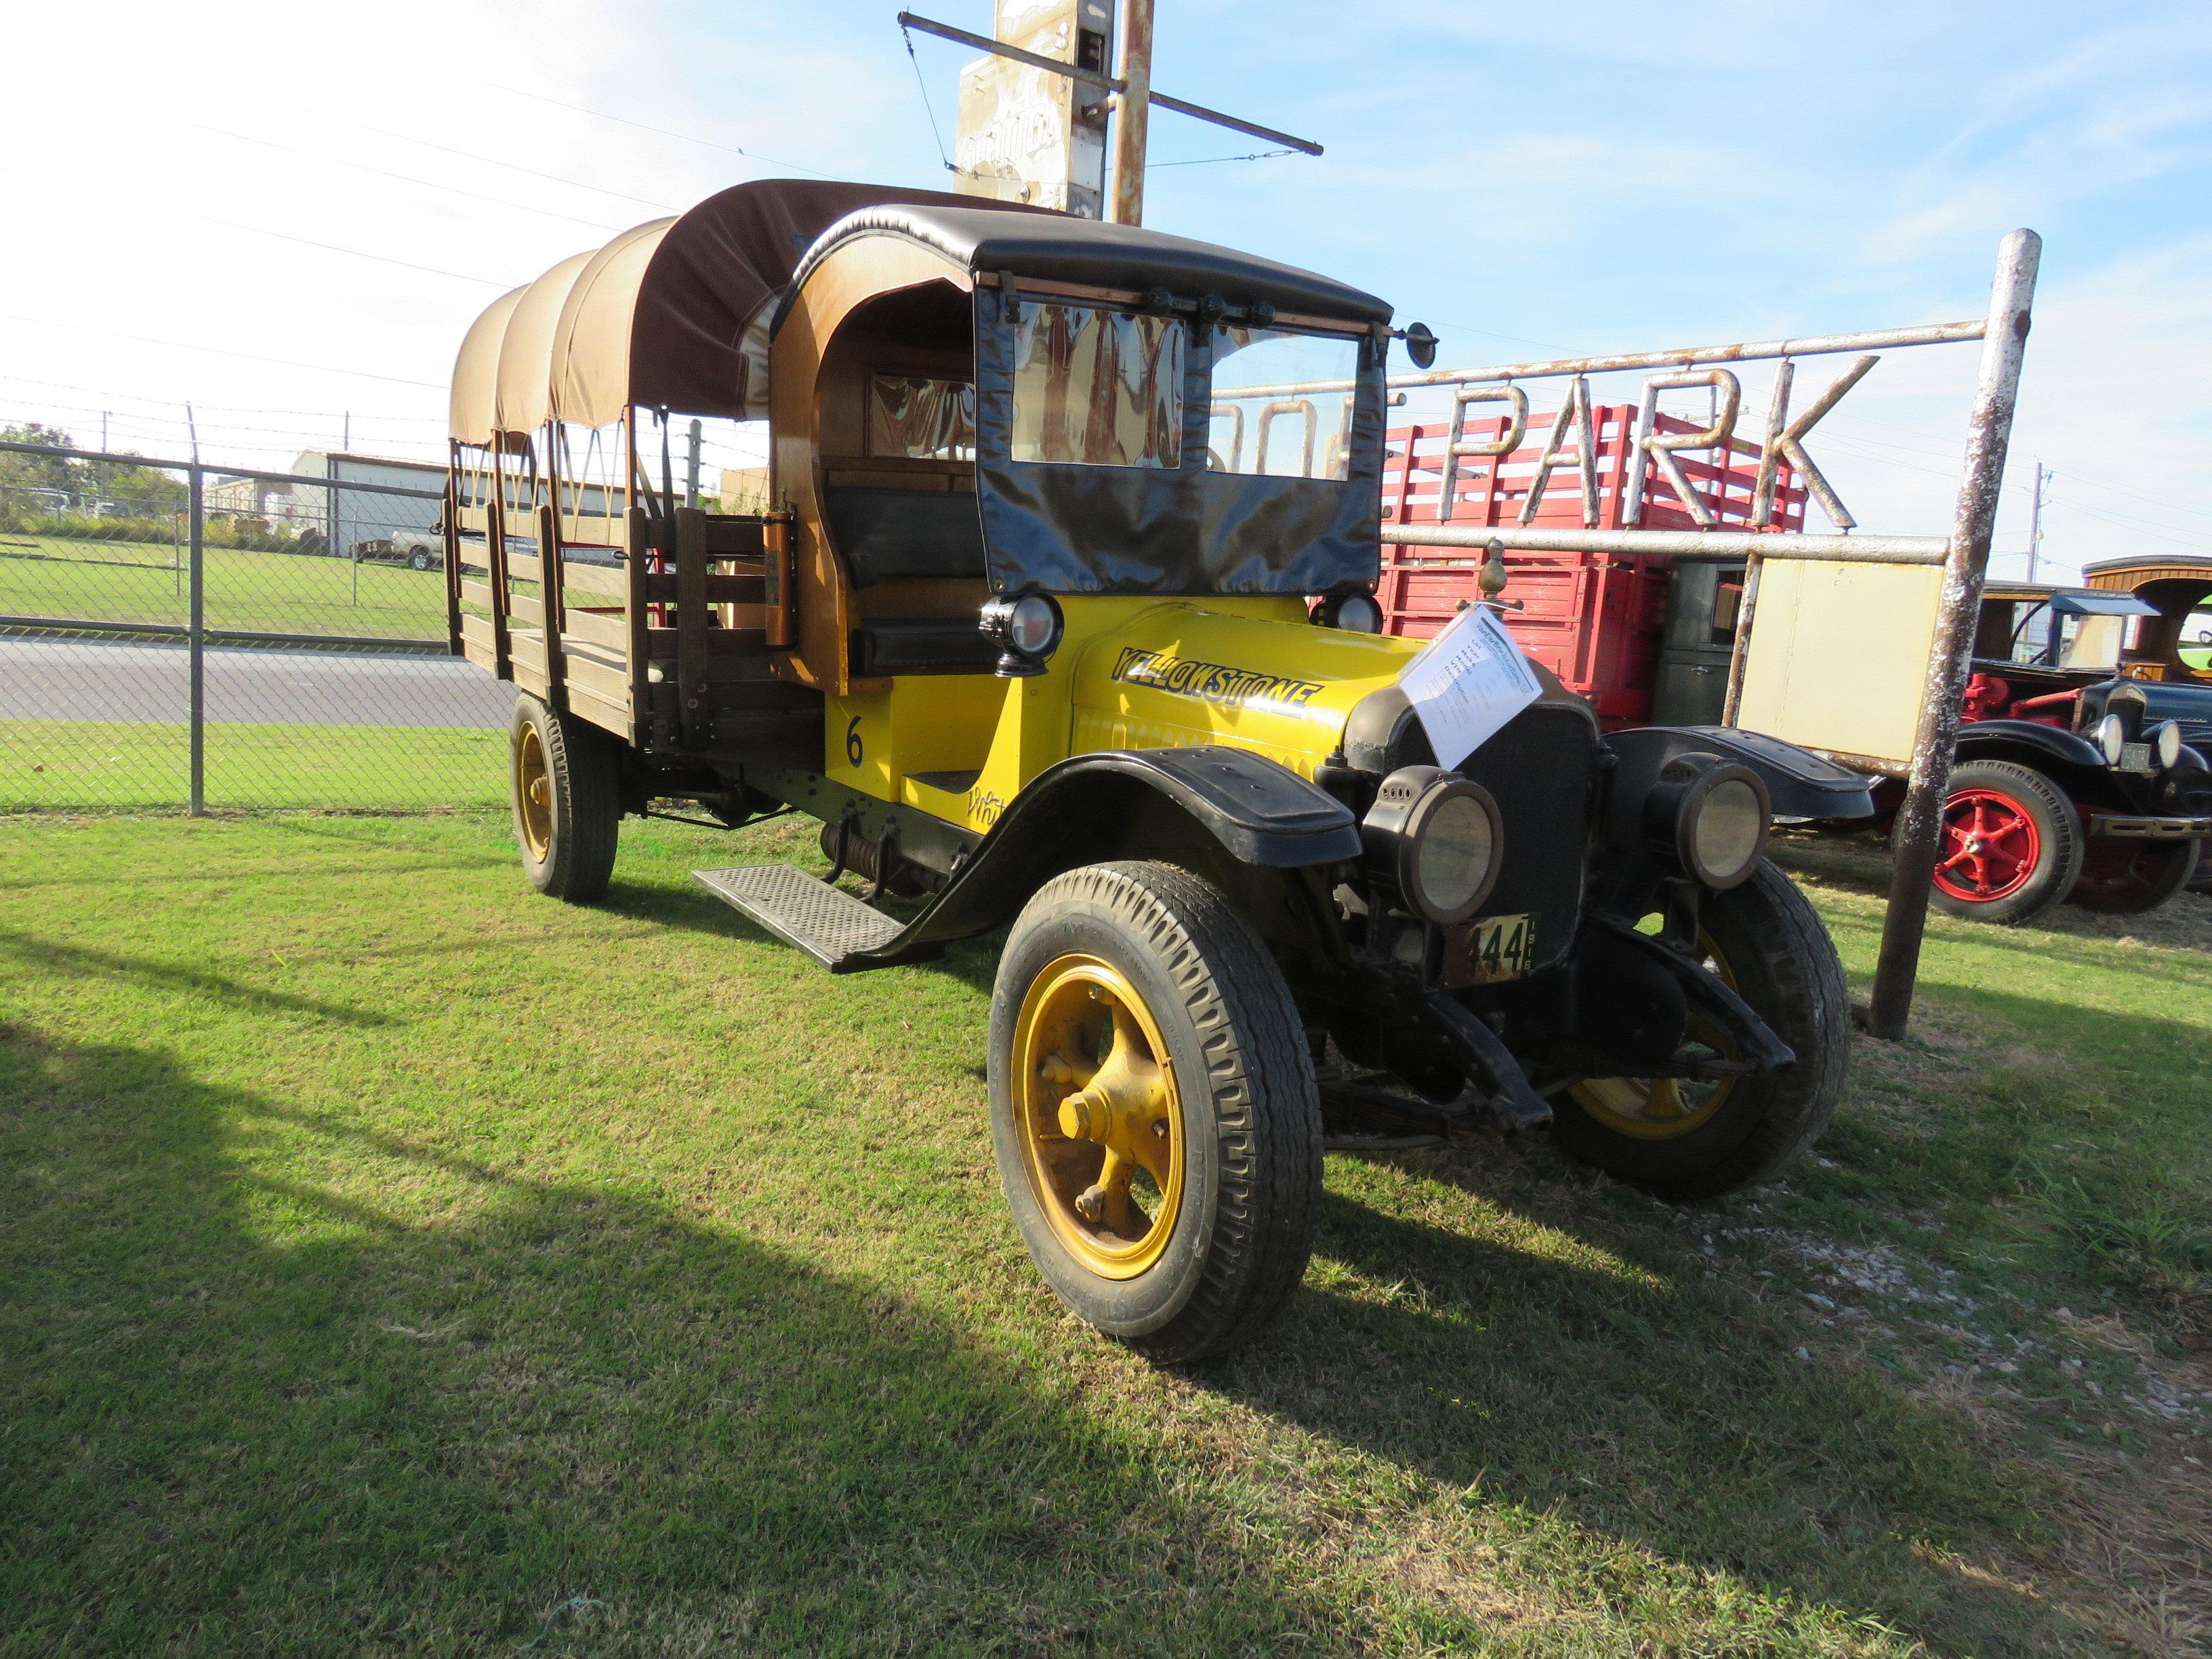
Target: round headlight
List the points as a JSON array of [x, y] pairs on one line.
[[1456, 853], [1033, 625], [1711, 814], [1357, 613], [1438, 838], [2112, 738], [1025, 627], [2166, 744], [1727, 832]]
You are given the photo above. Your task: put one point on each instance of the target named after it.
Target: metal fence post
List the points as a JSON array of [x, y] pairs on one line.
[[1915, 838], [196, 648]]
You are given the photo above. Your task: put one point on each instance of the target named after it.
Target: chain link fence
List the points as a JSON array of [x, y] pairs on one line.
[[178, 636]]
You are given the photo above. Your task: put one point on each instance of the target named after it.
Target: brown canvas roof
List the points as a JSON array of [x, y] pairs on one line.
[[674, 312]]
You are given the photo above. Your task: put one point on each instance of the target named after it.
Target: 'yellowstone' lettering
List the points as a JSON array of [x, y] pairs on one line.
[[1211, 681]]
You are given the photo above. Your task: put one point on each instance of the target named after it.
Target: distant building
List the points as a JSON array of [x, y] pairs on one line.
[[745, 488], [251, 498], [361, 516]]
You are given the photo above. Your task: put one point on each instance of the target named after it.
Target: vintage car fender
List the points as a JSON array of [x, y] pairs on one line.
[[1127, 803], [1801, 784], [2051, 742]]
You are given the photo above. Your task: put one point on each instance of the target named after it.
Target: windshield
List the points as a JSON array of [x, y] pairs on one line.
[[1096, 387], [1266, 416], [2092, 643]]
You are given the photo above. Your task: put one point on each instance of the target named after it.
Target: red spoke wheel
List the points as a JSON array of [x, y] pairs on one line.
[[2010, 845], [2125, 878]]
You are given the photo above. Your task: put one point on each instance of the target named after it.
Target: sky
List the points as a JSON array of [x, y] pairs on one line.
[[288, 215]]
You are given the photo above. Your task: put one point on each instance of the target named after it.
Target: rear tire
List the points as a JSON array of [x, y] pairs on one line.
[[1138, 989], [2123, 878], [1684, 1140], [2009, 846], [565, 782]]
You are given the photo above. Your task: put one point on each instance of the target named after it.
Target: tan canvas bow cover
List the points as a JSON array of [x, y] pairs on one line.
[[672, 313]]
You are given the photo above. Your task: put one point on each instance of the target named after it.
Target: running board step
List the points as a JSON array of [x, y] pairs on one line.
[[829, 925]]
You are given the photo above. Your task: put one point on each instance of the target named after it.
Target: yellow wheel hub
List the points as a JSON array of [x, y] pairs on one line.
[[533, 791], [1662, 1108], [1101, 1125]]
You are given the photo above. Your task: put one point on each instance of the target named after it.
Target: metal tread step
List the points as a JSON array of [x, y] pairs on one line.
[[829, 925]]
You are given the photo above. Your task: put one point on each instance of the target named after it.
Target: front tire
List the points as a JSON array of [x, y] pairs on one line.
[[2126, 877], [1153, 1109], [565, 781], [1682, 1139], [2009, 846], [418, 560]]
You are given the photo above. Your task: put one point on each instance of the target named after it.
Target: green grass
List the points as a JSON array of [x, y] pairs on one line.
[[399, 1262], [270, 592], [96, 765]]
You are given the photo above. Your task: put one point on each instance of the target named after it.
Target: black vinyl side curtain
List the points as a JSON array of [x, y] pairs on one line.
[[1184, 528]]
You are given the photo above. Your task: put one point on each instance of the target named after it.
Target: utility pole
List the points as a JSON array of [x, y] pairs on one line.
[[2035, 518], [1133, 97], [1132, 114]]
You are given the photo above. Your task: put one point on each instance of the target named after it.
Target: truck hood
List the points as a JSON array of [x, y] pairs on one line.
[[1180, 673]]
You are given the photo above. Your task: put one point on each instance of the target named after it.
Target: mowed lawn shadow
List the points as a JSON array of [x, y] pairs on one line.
[[246, 1413], [1609, 1383]]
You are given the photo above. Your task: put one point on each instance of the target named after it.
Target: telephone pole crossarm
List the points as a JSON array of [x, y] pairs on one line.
[[1104, 83]]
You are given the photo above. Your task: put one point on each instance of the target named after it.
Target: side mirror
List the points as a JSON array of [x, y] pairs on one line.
[[1421, 344]]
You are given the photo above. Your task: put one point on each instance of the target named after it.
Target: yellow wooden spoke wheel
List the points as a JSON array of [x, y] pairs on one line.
[[1101, 1121], [1682, 1137], [566, 779], [1153, 1109], [534, 789], [1661, 1108]]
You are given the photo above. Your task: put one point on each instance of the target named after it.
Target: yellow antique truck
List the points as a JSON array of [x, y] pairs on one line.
[[1046, 646]]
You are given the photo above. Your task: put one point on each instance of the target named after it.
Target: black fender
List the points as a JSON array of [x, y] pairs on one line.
[[2005, 739], [1215, 805], [1800, 783]]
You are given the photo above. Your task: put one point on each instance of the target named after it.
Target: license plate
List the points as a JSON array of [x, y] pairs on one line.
[[2134, 757], [1503, 947]]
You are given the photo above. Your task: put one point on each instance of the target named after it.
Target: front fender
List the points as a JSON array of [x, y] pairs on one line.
[[1123, 803], [2009, 737], [1800, 783]]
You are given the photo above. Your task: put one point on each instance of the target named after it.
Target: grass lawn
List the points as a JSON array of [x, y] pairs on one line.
[[80, 765], [271, 593], [398, 1263]]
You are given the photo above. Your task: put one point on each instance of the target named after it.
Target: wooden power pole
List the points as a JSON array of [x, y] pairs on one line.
[[1131, 88], [1132, 114]]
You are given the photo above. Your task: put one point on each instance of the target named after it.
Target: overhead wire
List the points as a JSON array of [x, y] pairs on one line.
[[221, 351], [305, 241], [404, 178], [647, 127], [467, 154]]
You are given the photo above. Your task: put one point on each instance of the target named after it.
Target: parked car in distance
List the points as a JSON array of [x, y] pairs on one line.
[[418, 550], [2074, 778]]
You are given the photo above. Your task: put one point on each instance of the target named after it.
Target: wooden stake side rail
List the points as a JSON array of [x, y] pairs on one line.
[[667, 648]]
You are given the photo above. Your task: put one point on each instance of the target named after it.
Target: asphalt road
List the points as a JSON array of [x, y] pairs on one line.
[[86, 680]]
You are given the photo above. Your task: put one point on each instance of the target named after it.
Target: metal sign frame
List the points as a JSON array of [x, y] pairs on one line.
[[1963, 553]]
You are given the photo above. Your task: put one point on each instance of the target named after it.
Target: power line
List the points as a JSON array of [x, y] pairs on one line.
[[404, 178], [647, 126], [221, 351], [305, 241], [466, 155]]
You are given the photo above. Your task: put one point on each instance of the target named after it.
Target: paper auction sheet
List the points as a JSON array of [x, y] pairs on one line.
[[1470, 680]]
